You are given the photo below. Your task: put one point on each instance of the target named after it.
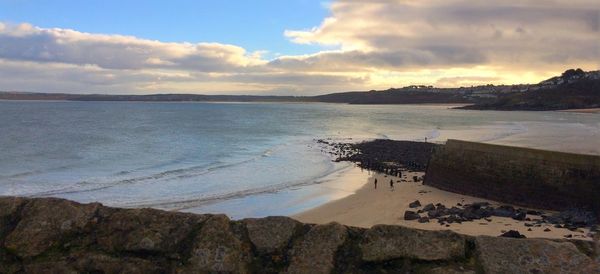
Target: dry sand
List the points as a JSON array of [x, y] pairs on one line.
[[369, 206], [582, 110]]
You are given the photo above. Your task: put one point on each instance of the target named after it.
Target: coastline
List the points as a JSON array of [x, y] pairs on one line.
[[367, 207]]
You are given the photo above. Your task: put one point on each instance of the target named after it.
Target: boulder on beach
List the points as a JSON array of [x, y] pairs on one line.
[[411, 215], [424, 220], [414, 204], [519, 216], [512, 234], [428, 207]]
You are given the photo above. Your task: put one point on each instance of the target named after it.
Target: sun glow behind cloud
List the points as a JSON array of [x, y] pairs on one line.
[[374, 45]]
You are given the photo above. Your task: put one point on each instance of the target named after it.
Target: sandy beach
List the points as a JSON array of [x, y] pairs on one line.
[[369, 206], [582, 110]]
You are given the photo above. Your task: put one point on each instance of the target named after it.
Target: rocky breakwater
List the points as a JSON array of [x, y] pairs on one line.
[[49, 235], [382, 155]]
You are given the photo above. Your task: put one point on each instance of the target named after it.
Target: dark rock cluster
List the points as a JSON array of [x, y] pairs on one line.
[[50, 235], [570, 219], [337, 149], [385, 156], [512, 234]]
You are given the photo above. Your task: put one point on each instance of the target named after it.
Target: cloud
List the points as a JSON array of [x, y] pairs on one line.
[[428, 33], [60, 77], [357, 60], [54, 60], [365, 45], [57, 77], [27, 43]]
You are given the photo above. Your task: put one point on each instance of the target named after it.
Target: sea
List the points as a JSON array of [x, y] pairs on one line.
[[241, 159]]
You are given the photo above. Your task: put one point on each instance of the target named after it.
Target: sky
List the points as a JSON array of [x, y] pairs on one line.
[[292, 47]]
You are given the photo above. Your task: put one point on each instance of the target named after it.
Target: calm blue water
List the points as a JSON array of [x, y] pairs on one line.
[[198, 156]]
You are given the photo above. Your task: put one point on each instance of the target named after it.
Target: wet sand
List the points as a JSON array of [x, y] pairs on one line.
[[369, 206]]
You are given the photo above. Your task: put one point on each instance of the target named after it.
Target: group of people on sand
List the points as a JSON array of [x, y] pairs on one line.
[[391, 182]]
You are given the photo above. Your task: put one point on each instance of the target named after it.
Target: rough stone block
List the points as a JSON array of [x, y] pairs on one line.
[[271, 233], [386, 242], [315, 252], [145, 230], [45, 222], [9, 207], [217, 249], [507, 255]]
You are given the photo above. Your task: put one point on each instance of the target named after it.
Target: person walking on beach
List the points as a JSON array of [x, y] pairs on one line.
[[375, 182], [392, 185]]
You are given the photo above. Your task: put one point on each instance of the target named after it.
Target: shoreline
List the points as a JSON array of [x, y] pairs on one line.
[[339, 183], [367, 207]]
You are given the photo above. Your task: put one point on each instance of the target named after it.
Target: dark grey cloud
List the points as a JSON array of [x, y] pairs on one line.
[[357, 60]]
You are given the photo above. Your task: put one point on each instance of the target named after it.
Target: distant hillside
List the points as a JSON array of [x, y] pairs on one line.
[[573, 89], [392, 96], [149, 98], [395, 96]]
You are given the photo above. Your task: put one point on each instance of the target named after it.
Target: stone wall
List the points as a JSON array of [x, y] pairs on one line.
[[50, 235], [522, 176]]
